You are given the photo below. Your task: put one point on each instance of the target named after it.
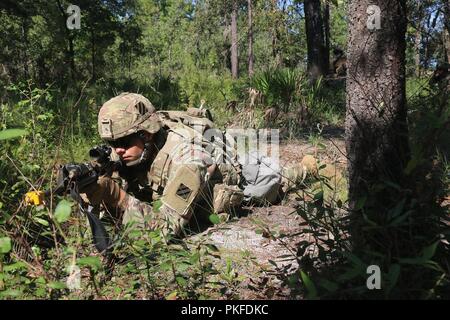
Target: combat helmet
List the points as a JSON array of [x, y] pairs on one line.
[[126, 114]]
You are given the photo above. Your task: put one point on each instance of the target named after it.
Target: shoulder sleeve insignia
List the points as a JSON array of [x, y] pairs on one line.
[[183, 192]]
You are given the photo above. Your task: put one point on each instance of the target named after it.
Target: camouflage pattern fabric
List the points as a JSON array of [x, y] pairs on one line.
[[126, 114], [187, 169], [141, 215]]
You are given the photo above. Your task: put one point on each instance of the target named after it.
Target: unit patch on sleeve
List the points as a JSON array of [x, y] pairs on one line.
[[183, 192]]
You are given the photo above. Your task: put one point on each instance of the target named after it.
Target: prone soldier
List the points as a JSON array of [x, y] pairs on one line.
[[164, 156]]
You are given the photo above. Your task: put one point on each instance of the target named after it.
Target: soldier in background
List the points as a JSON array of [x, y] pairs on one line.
[[339, 63], [441, 76]]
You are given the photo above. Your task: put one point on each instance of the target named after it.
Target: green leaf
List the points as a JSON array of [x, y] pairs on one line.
[[229, 266], [12, 133], [181, 281], [41, 221], [164, 266], [194, 258], [10, 293], [360, 203], [418, 261], [310, 287], [172, 296], [397, 221], [318, 195], [183, 266], [412, 164], [398, 209], [273, 263], [393, 185], [157, 205], [357, 262], [393, 274], [92, 262], [5, 245], [428, 252], [328, 285], [349, 274], [56, 285], [15, 266], [212, 247], [62, 211], [214, 218]]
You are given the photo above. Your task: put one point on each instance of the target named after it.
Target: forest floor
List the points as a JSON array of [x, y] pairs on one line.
[[263, 243], [256, 254]]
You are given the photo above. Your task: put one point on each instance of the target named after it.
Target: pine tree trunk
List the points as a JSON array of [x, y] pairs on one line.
[[376, 129], [234, 50], [447, 29], [447, 44], [315, 39], [250, 38], [70, 52], [417, 42], [94, 78], [326, 23]]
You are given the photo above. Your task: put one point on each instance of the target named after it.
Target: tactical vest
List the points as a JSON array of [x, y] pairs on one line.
[[182, 127]]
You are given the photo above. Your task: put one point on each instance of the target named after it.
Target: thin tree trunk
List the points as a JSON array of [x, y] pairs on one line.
[[234, 50], [315, 39], [447, 29], [326, 23], [70, 52], [25, 58], [274, 31], [226, 43], [417, 42], [72, 58], [250, 38], [376, 129], [447, 44], [447, 15], [93, 56]]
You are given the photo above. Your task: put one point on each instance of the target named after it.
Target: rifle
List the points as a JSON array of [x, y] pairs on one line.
[[72, 178]]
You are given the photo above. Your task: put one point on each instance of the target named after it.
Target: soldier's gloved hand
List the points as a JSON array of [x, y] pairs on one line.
[[104, 190]]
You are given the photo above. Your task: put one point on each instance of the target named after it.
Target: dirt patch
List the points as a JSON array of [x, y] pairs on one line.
[[262, 248]]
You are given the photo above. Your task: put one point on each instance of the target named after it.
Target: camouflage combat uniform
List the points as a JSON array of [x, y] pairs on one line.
[[184, 176]]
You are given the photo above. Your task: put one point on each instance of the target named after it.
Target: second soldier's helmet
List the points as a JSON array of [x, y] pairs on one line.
[[126, 114]]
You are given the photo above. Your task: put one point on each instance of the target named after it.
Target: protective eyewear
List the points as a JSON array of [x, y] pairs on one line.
[[124, 142]]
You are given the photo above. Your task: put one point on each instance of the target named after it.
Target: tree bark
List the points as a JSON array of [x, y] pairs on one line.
[[375, 126], [417, 42], [70, 52], [250, 38], [94, 73], [447, 29], [446, 4], [25, 57], [234, 50], [315, 39], [276, 54], [326, 23]]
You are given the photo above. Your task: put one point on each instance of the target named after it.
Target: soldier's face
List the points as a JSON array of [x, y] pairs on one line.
[[131, 150]]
